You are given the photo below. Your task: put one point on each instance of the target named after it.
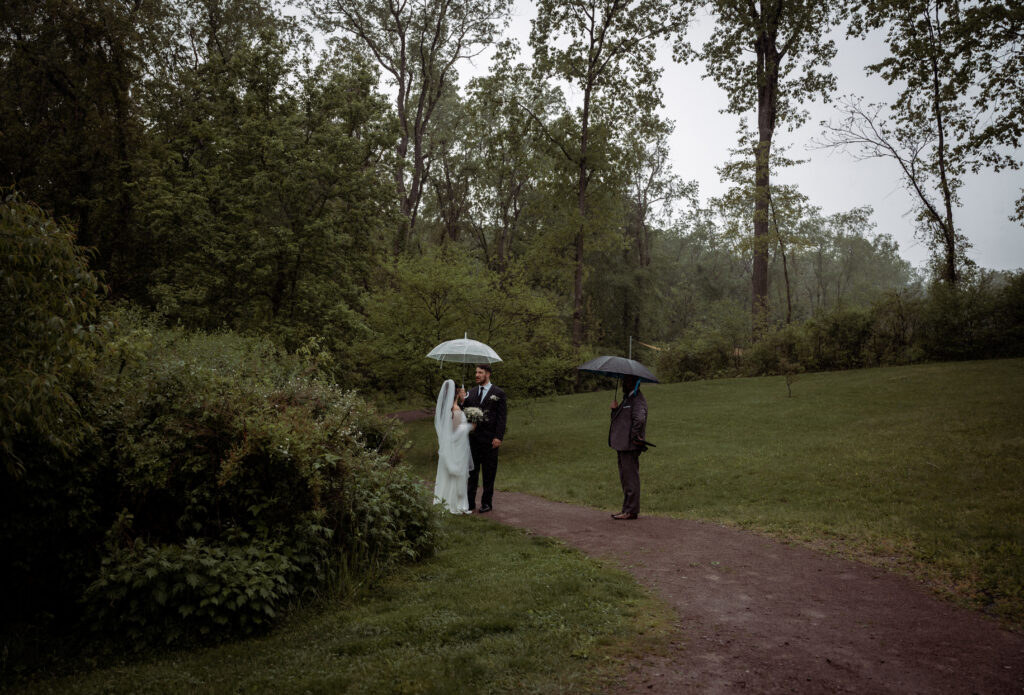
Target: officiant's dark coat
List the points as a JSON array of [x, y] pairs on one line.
[[626, 435], [629, 424]]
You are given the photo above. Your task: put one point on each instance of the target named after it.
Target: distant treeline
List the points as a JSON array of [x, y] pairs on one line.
[[225, 175]]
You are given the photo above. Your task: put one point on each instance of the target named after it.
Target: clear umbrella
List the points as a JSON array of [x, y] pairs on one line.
[[464, 350]]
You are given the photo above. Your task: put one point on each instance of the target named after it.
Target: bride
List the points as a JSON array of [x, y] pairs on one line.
[[454, 461]]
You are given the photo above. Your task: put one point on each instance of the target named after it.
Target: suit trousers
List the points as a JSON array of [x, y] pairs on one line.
[[629, 477], [485, 458]]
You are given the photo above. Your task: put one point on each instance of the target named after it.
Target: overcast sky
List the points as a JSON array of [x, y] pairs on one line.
[[832, 180]]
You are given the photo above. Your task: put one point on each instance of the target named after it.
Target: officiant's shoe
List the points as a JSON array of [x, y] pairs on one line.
[[624, 516], [484, 508]]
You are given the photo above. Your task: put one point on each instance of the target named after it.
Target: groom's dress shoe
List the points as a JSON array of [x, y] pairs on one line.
[[485, 508], [624, 516]]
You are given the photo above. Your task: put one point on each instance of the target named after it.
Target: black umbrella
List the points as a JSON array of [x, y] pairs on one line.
[[611, 365]]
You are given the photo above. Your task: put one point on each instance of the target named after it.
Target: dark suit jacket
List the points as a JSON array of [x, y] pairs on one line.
[[629, 424], [495, 409]]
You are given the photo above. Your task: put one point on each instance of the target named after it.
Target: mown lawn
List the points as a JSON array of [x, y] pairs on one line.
[[495, 611], [917, 468]]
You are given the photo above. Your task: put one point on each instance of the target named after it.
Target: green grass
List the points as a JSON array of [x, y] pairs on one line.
[[495, 611], [916, 468]]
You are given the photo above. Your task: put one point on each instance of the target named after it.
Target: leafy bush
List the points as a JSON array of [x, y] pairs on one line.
[[177, 592], [702, 356], [964, 322], [48, 303], [444, 294], [837, 340], [895, 319], [983, 318], [240, 469], [1009, 310]]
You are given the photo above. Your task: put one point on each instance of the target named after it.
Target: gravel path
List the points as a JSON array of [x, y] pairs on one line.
[[758, 616]]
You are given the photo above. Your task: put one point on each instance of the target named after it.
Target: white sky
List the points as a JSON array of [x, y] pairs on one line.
[[832, 180]]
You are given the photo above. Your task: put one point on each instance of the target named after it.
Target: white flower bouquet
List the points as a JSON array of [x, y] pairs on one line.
[[474, 415]]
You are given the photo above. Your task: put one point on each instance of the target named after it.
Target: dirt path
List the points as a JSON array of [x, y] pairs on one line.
[[758, 616]]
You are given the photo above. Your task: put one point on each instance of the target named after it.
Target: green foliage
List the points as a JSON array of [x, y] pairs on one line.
[[262, 197], [576, 623], [418, 48], [981, 319], [70, 126], [173, 593], [216, 451], [703, 356], [48, 303], [444, 294]]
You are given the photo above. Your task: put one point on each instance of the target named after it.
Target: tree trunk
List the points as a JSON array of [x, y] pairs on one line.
[[946, 226], [581, 192], [785, 269], [759, 297], [767, 105]]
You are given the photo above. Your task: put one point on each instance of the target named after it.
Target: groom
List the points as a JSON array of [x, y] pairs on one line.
[[486, 437]]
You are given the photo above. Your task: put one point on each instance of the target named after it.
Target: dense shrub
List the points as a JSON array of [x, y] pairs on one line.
[[983, 318], [1009, 311], [445, 294], [223, 479], [972, 321], [701, 356], [48, 303], [175, 592], [895, 319]]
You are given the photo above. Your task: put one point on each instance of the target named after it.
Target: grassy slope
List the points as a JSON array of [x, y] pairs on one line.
[[917, 467], [920, 467], [494, 612]]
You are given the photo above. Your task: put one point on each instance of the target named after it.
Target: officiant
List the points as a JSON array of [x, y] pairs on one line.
[[627, 436]]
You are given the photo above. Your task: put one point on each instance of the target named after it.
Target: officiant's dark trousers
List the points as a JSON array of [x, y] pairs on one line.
[[629, 477], [485, 458]]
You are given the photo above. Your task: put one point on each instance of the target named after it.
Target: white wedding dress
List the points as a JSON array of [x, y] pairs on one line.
[[454, 460]]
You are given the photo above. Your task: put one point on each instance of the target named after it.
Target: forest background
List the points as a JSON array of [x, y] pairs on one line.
[[227, 173], [224, 232]]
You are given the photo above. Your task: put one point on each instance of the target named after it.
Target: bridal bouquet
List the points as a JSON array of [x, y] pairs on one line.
[[474, 415]]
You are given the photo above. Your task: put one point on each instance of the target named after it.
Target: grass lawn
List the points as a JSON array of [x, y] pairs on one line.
[[494, 612], [917, 468]]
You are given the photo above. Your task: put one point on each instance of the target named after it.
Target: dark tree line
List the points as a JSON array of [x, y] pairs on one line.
[[227, 173]]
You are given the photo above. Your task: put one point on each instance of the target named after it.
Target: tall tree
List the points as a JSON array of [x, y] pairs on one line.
[[652, 193], [455, 169], [418, 44], [929, 118], [737, 206], [653, 188], [933, 180], [605, 50], [504, 140], [991, 40], [265, 198], [69, 128], [769, 55]]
